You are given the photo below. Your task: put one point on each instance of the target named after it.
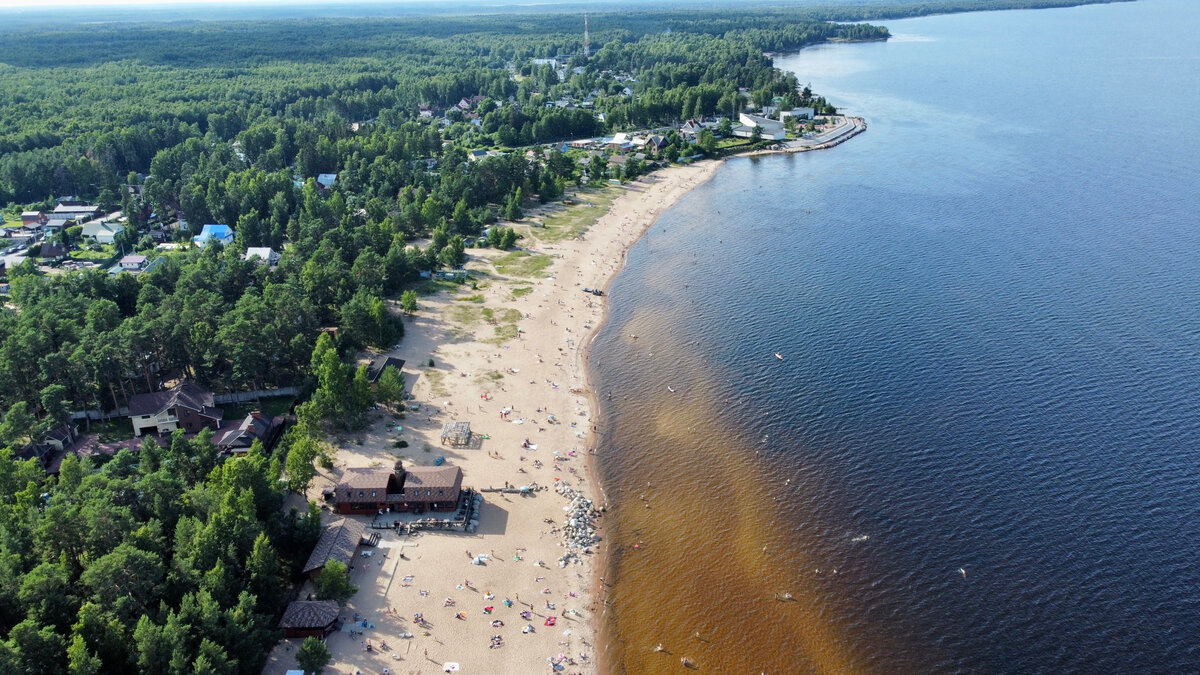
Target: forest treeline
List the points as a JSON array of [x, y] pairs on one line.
[[175, 560]]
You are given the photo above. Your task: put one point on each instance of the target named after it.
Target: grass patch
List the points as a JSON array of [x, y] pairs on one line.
[[506, 326], [521, 291], [276, 405], [470, 298], [437, 382], [464, 316], [110, 431], [488, 377], [434, 286], [523, 264], [574, 220], [108, 251]]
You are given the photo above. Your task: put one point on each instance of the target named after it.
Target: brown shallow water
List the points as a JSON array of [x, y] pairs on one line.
[[701, 554]]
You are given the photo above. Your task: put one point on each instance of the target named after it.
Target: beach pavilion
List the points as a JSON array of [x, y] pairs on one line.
[[304, 618], [458, 433]]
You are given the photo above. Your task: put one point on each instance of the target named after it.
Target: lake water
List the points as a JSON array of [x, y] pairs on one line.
[[988, 309]]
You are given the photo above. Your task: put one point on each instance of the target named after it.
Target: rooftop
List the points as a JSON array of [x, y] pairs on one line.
[[309, 614], [338, 541]]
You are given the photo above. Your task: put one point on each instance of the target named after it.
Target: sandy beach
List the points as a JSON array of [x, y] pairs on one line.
[[515, 343]]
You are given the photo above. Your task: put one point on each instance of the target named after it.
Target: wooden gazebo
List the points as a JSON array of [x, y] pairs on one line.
[[458, 433]]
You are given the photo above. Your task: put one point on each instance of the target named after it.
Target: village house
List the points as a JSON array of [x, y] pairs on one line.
[[33, 218], [22, 231], [325, 181], [56, 225], [305, 618], [419, 489], [339, 540], [50, 450], [690, 128], [256, 427], [79, 212], [379, 363], [222, 234], [103, 232], [135, 265], [264, 255], [798, 113], [186, 406], [52, 253]]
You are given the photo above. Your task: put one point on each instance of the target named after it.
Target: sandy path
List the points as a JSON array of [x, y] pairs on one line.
[[538, 374]]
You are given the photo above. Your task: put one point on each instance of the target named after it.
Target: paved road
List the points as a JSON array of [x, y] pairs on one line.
[[845, 126]]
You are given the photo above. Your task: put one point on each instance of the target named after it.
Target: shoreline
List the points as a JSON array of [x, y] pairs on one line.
[[517, 339], [599, 627]]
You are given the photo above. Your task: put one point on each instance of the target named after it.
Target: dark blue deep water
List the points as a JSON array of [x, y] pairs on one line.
[[989, 310]]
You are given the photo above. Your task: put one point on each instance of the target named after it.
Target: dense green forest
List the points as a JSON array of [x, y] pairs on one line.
[[171, 559]]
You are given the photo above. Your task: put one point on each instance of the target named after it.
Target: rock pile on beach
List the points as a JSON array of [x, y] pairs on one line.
[[578, 530]]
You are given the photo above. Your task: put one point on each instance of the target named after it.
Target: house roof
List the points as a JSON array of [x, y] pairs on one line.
[[338, 541], [309, 614], [187, 394], [262, 252], [53, 251], [214, 231], [85, 208], [433, 477], [54, 223], [96, 229], [365, 479], [379, 363], [133, 260], [255, 426], [327, 179]]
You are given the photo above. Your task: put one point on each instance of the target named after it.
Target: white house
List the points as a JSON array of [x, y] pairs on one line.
[[222, 234], [103, 232], [263, 254], [798, 113], [769, 129]]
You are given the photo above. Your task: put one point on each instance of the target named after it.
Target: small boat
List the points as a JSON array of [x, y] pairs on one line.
[[779, 356]]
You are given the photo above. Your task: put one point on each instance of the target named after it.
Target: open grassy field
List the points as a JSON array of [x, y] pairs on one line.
[[523, 264], [573, 220]]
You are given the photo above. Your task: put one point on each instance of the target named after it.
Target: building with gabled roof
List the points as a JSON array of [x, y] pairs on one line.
[[256, 427], [78, 212], [304, 618], [380, 363], [338, 541], [103, 232], [222, 234], [265, 255], [421, 488], [186, 406]]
